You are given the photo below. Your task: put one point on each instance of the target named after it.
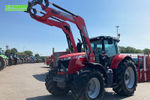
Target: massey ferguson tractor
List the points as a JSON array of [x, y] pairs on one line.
[[84, 75]]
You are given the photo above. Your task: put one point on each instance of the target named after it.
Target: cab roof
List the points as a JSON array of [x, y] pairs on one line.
[[104, 38]]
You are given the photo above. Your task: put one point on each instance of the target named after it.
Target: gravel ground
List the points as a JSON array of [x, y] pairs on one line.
[[26, 82]]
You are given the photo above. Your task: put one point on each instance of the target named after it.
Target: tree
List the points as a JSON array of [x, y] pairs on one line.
[[129, 50], [21, 53], [67, 50], [8, 51], [37, 55], [122, 49], [28, 52], [146, 51], [139, 51], [14, 50]]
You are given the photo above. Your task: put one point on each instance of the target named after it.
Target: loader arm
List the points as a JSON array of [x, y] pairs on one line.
[[62, 25], [57, 18]]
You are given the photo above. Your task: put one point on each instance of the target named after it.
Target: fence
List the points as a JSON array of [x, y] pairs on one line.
[[143, 68]]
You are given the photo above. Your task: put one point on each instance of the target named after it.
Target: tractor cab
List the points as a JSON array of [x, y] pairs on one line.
[[104, 46], [2, 52]]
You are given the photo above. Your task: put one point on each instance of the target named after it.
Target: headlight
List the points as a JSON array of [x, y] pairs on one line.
[[63, 70]]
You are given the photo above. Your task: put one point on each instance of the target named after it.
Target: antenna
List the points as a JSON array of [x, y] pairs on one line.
[[118, 34], [117, 29]]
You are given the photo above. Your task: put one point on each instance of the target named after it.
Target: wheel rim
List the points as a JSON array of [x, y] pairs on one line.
[[93, 88], [129, 78]]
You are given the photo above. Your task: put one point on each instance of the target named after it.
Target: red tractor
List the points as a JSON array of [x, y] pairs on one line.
[[84, 75], [53, 59]]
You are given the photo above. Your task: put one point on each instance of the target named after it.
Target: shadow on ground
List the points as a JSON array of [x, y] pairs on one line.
[[49, 97], [108, 96], [40, 77], [44, 66], [112, 96]]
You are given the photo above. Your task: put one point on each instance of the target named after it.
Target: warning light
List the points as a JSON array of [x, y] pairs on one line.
[[118, 35]]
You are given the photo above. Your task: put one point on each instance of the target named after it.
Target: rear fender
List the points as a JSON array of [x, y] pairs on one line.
[[118, 59]]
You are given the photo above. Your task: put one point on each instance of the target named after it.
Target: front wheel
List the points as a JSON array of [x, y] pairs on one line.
[[126, 78], [88, 87], [52, 86]]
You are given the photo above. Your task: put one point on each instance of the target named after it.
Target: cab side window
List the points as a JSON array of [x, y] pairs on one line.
[[110, 48], [97, 48]]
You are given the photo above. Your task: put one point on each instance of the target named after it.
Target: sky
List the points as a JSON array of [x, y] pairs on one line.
[[19, 30]]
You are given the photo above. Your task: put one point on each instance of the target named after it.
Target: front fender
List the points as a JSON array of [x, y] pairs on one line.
[[117, 60], [97, 67]]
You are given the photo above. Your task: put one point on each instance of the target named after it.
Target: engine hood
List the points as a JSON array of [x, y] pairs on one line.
[[72, 55]]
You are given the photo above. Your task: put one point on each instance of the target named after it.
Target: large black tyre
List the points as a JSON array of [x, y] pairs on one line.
[[126, 76], [81, 87], [9, 62], [2, 63], [51, 86]]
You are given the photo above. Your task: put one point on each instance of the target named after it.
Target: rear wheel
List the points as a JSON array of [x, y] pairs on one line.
[[52, 86], [2, 63], [126, 78], [9, 62], [89, 86]]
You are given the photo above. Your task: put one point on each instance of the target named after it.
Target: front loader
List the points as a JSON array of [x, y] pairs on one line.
[[84, 75]]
